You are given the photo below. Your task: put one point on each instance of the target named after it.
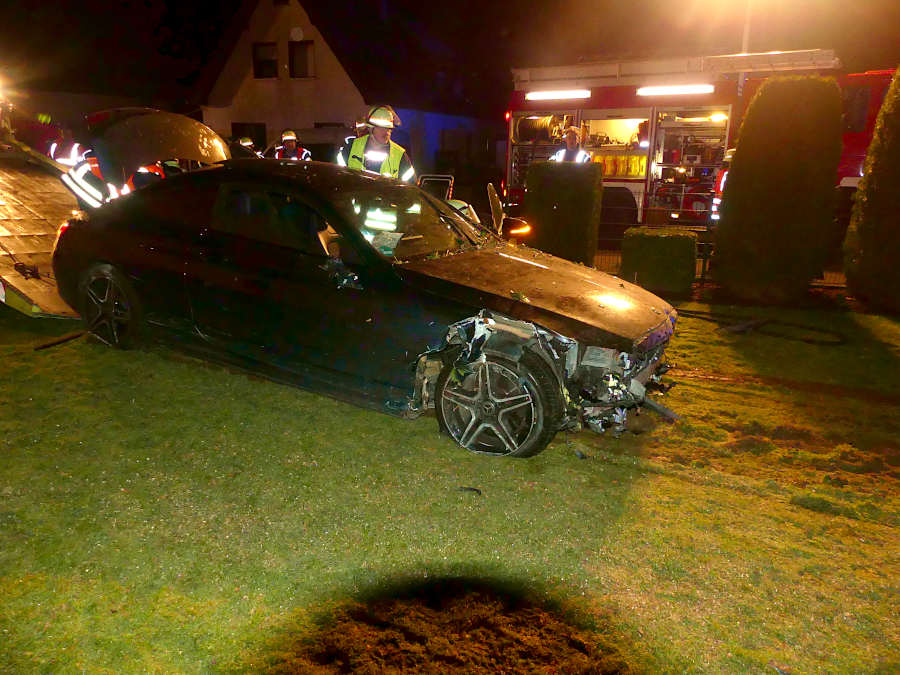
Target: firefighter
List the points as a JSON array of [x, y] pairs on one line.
[[289, 148], [572, 152], [149, 173], [359, 129], [375, 151], [247, 142]]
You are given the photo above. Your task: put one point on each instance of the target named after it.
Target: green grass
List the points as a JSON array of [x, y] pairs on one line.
[[158, 514]]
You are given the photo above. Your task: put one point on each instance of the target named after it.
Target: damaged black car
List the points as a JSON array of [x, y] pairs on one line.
[[371, 291]]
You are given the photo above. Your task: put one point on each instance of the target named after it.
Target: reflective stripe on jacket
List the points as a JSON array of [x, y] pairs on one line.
[[300, 153], [581, 157], [390, 165]]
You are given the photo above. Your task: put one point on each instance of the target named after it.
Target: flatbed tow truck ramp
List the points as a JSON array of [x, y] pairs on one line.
[[33, 204]]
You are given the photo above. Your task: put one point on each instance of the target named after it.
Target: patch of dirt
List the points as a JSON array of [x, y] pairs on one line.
[[822, 388], [450, 627], [786, 432], [752, 444]]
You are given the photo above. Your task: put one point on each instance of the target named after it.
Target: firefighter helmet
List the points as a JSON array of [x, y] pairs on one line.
[[382, 116], [246, 141], [572, 130], [288, 135]]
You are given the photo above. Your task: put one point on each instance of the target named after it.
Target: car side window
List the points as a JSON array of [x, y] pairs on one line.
[[245, 213], [300, 224], [272, 217], [184, 204]]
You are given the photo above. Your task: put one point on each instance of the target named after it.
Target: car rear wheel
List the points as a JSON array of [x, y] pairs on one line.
[[109, 306], [500, 407]]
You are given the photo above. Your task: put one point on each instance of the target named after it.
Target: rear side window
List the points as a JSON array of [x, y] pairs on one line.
[[183, 204], [270, 216]]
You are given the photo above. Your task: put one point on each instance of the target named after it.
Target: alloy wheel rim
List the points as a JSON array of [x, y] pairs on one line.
[[108, 313], [491, 410]]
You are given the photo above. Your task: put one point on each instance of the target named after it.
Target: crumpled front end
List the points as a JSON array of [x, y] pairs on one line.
[[598, 385]]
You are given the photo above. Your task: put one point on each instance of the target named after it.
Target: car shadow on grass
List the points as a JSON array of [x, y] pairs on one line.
[[452, 624]]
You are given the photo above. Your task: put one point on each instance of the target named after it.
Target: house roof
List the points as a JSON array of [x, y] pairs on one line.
[[391, 56]]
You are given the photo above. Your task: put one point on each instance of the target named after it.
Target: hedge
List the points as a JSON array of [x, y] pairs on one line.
[[872, 246], [661, 259], [777, 207], [563, 202]]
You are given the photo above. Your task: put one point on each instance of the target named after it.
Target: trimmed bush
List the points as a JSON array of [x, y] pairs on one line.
[[872, 246], [777, 207], [563, 203], [661, 259]]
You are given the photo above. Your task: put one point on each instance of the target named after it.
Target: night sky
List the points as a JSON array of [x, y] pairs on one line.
[[452, 56]]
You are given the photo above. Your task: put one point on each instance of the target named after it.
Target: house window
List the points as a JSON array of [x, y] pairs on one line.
[[265, 60], [301, 56]]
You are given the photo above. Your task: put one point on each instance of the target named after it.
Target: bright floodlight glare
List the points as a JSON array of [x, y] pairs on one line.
[[718, 117], [614, 301], [557, 95], [676, 89]]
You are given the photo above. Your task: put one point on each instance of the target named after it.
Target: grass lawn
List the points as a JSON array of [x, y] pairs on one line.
[[158, 514]]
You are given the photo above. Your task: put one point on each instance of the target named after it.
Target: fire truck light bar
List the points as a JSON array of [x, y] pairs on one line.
[[677, 89], [557, 95]]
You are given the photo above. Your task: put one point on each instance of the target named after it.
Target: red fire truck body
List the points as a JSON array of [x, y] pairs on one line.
[[661, 128]]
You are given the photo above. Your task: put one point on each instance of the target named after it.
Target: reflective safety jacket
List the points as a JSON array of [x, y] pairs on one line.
[[565, 155], [394, 164], [153, 169], [300, 153]]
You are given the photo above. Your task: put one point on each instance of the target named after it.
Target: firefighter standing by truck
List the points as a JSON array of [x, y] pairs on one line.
[[290, 149], [375, 151], [572, 152]]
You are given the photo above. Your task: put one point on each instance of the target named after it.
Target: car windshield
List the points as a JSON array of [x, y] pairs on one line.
[[402, 222]]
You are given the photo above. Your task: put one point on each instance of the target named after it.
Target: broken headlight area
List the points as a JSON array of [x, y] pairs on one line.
[[608, 383]]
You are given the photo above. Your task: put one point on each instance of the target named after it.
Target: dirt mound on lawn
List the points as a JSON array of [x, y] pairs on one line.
[[449, 627]]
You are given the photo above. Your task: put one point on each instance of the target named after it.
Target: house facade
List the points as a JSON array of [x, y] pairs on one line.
[[280, 73], [276, 71]]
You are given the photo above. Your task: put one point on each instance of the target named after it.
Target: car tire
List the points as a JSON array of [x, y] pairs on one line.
[[109, 306], [500, 407]]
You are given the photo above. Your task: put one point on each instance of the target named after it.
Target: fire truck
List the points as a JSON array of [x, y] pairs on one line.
[[661, 128]]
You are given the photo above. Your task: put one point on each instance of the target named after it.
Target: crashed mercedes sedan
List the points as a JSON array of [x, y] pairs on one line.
[[371, 291]]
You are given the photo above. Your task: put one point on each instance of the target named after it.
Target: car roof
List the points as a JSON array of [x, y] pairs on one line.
[[318, 175]]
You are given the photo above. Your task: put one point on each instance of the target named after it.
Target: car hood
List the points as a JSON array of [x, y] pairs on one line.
[[524, 283]]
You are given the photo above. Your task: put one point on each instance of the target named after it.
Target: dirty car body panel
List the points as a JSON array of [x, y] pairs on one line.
[[365, 289]]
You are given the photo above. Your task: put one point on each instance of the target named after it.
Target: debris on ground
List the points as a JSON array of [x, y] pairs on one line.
[[450, 629]]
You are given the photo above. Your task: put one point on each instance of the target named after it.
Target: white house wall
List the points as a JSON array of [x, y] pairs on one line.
[[282, 102]]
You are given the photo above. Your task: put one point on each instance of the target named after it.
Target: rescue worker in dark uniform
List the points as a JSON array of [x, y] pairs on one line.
[[289, 149], [572, 152], [375, 151]]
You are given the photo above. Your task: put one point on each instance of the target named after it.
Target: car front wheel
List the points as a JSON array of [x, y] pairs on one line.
[[500, 407], [109, 306]]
